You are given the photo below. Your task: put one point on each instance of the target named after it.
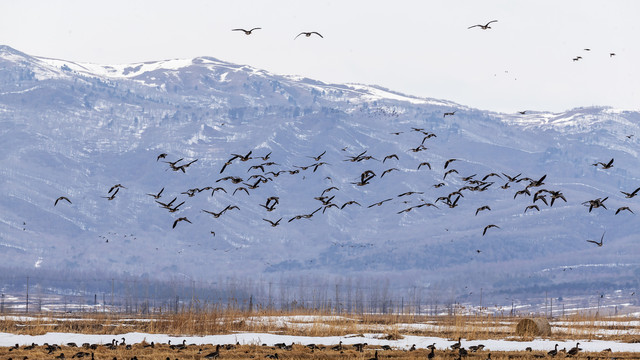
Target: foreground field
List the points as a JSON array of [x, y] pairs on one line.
[[143, 351], [244, 336]]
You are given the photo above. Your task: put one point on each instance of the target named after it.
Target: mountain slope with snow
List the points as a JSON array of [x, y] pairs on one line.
[[75, 130]]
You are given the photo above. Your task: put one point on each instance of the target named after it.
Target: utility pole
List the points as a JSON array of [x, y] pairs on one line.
[[27, 307], [112, 293]]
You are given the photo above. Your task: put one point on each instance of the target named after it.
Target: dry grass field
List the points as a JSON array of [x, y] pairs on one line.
[[390, 327]]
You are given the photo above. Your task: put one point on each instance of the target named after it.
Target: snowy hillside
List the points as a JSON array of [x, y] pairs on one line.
[[75, 130]]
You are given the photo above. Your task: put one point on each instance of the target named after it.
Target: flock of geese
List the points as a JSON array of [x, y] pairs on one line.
[[125, 351], [261, 169]]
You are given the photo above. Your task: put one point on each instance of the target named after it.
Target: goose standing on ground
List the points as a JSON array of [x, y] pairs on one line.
[[574, 350], [553, 352]]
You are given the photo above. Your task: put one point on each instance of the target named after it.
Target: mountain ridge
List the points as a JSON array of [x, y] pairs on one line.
[[77, 134]]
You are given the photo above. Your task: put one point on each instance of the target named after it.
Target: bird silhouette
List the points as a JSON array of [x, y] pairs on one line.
[[308, 34], [317, 158], [157, 196], [449, 113], [180, 219], [489, 227], [485, 26], [273, 223], [424, 164], [624, 208], [390, 157], [246, 32], [600, 242], [446, 164], [61, 198], [161, 156], [631, 194], [604, 166], [485, 207], [531, 207], [113, 196]]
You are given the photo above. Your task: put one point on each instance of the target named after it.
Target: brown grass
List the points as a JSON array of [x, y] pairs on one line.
[[189, 323]]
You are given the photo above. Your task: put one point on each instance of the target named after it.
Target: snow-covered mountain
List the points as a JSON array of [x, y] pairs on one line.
[[75, 130]]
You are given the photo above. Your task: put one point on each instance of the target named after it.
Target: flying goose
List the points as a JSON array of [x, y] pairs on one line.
[[488, 227], [631, 194], [388, 171], [308, 34], [531, 207], [215, 215], [485, 207], [446, 164], [317, 158], [161, 156], [246, 32], [61, 198], [598, 243], [113, 196], [449, 113], [608, 165], [273, 224], [180, 219], [483, 27], [624, 208], [390, 157], [156, 196]]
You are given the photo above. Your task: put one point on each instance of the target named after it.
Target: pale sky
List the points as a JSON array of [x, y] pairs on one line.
[[421, 48]]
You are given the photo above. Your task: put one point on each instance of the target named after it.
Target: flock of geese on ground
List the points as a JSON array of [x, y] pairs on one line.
[[261, 169], [204, 351]]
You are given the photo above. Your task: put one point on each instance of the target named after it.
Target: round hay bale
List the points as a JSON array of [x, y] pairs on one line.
[[533, 327]]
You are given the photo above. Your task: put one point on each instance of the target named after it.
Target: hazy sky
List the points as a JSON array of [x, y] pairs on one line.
[[421, 48]]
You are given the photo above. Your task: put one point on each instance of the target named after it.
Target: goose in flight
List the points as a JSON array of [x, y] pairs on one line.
[[449, 113], [273, 223], [317, 158], [489, 227], [113, 196], [390, 157], [350, 203], [156, 196], [246, 32], [446, 164], [161, 156], [624, 208], [424, 164], [631, 194], [485, 207], [388, 171], [379, 203], [596, 242], [483, 27], [215, 215], [308, 34], [608, 165], [116, 186], [180, 219], [61, 198], [531, 207]]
